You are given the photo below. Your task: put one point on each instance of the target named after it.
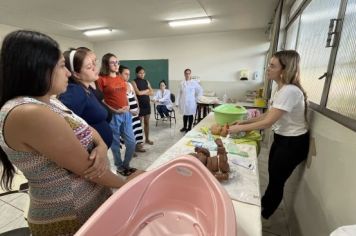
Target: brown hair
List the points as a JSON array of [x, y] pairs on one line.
[[78, 59], [105, 64]]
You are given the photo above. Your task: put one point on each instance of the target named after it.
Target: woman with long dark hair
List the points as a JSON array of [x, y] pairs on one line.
[[51, 145]]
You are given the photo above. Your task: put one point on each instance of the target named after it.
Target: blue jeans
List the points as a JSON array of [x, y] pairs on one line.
[[121, 125]]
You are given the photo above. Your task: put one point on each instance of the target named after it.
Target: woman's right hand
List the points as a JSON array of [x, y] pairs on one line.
[[122, 110], [125, 109], [234, 129]]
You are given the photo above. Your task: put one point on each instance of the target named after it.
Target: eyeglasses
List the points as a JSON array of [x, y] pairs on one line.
[[113, 63]]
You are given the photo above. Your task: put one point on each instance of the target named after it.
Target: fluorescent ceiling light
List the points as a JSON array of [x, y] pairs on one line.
[[97, 32], [191, 21]]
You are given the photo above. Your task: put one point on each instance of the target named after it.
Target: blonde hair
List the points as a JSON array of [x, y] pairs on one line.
[[289, 60]]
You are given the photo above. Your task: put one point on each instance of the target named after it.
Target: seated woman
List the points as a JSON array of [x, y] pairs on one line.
[[163, 100], [53, 147], [80, 96]]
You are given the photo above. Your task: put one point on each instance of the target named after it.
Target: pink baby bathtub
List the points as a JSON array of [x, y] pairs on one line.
[[178, 198]]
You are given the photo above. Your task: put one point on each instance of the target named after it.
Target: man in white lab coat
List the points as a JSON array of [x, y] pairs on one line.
[[189, 92]]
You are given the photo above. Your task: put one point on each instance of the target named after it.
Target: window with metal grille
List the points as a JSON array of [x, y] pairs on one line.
[[292, 34], [324, 32], [314, 27], [342, 93], [295, 7]]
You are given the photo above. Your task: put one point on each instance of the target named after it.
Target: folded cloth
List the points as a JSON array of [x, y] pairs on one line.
[[208, 100], [252, 138]]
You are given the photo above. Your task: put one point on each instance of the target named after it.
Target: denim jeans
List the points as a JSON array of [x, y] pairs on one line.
[[121, 125]]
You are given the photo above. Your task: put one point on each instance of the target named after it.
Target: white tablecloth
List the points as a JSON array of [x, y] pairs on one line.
[[247, 209]]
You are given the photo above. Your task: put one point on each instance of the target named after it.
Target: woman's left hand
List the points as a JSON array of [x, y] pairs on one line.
[[100, 164]]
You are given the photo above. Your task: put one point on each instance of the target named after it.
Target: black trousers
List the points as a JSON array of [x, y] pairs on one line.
[[189, 120], [162, 110], [286, 153]]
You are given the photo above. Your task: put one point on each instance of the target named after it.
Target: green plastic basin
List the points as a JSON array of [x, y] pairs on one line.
[[229, 113]]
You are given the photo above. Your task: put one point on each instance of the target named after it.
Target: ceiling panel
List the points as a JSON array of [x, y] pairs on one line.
[[134, 19]]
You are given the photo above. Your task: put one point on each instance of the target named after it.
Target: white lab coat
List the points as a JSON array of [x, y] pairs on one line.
[[189, 92], [163, 98]]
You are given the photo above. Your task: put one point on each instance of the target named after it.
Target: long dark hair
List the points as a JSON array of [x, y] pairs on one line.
[[105, 64], [27, 61]]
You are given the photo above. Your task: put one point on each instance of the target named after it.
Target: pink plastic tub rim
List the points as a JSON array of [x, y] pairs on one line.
[[184, 180]]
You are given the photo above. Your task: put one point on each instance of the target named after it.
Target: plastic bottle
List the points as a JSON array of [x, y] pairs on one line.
[[225, 98]]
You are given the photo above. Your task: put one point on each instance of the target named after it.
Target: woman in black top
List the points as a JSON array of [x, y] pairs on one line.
[[143, 90]]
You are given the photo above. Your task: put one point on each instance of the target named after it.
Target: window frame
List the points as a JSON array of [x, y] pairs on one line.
[[322, 108]]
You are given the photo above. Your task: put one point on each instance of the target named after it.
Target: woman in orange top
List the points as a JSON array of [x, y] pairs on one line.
[[114, 88]]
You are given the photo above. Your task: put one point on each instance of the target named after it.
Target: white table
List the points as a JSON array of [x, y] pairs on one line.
[[248, 216]]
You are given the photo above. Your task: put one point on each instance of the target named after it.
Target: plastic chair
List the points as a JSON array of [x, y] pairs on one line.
[[172, 113]]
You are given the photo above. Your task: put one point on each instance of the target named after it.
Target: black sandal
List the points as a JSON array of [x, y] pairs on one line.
[[132, 170], [123, 172]]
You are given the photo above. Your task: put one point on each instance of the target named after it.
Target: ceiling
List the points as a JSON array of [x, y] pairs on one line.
[[134, 19]]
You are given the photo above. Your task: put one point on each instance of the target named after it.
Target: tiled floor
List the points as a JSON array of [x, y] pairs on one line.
[[11, 206]]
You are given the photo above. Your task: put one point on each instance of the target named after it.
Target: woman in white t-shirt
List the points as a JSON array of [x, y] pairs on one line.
[[288, 117]]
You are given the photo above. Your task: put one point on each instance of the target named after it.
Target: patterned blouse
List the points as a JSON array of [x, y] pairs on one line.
[[60, 201]]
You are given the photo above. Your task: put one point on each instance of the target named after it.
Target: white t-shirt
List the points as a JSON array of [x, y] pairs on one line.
[[290, 99]]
